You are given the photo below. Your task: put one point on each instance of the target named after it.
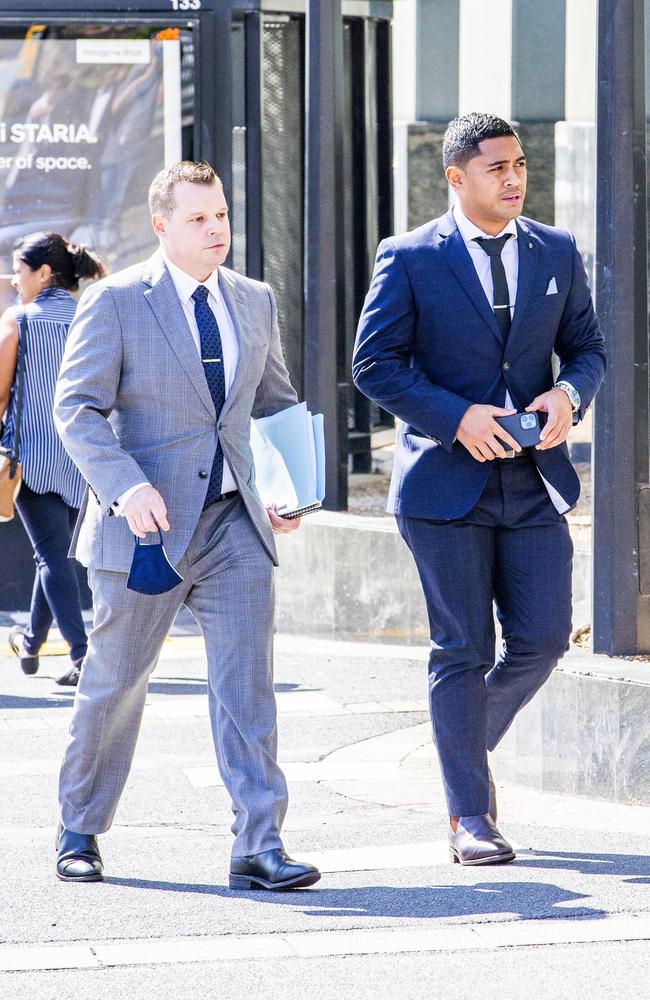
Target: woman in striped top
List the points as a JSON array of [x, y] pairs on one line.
[[46, 269]]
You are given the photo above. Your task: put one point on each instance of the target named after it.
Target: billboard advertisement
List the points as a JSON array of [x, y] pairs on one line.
[[85, 123]]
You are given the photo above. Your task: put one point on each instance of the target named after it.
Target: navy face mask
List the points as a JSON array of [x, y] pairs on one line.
[[151, 570]]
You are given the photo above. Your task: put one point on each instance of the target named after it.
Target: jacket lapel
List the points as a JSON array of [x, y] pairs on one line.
[[161, 295], [528, 251], [457, 255], [237, 305]]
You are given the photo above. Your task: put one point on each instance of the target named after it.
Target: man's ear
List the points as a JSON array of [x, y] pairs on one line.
[[455, 177], [158, 223]]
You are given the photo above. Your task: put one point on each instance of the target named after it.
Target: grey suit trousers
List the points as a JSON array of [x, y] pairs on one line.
[[228, 585]]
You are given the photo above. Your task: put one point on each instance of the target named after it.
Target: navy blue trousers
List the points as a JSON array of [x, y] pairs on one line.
[[513, 551], [49, 522]]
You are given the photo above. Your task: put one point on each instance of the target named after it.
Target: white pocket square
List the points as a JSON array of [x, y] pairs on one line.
[[552, 287]]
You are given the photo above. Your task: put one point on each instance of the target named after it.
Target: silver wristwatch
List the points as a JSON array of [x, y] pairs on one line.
[[573, 394]]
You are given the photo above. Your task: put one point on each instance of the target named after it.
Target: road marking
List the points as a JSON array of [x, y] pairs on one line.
[[313, 771], [429, 936], [375, 761], [384, 858], [305, 704]]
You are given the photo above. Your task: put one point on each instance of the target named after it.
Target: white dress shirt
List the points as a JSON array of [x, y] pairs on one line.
[[481, 261], [185, 286], [510, 259]]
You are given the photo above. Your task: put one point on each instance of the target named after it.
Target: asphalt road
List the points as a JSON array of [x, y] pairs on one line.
[[390, 917]]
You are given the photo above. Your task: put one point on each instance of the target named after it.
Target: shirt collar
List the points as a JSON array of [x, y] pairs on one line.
[[52, 292], [186, 285], [469, 231]]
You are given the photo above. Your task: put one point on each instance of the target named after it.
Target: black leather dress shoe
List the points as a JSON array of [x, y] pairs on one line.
[[78, 858], [272, 869], [477, 841], [70, 678]]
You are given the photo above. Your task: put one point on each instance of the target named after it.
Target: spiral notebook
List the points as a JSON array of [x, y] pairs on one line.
[[289, 455]]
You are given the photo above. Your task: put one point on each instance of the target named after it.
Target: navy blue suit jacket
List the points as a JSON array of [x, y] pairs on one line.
[[428, 346]]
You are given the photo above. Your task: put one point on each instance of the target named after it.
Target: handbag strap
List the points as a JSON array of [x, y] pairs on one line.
[[20, 391]]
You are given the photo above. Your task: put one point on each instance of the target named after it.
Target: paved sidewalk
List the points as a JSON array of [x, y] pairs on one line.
[[391, 916]]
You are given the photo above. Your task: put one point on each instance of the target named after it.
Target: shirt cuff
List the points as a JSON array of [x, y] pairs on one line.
[[117, 507]]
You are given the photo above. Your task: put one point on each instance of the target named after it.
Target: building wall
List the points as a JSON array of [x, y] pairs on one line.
[[485, 57], [529, 62]]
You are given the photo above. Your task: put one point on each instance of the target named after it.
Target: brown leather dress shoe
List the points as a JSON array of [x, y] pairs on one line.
[[476, 841]]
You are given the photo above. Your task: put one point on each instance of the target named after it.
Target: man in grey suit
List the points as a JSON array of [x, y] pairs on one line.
[[165, 364]]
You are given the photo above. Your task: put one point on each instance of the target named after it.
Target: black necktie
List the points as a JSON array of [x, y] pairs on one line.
[[501, 298], [212, 357]]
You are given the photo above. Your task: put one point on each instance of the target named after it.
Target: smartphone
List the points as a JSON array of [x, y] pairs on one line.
[[525, 428]]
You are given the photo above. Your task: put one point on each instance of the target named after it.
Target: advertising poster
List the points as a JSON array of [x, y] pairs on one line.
[[85, 124]]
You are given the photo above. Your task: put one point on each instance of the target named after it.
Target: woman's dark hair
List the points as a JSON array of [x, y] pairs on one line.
[[70, 262]]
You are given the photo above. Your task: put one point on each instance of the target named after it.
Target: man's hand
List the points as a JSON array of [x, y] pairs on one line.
[[145, 511], [282, 525], [478, 432], [557, 405]]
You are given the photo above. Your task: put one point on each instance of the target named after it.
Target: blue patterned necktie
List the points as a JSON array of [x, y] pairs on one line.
[[212, 357]]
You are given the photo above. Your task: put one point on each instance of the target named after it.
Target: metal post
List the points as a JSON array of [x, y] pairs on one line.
[[213, 141], [325, 381], [254, 173], [621, 619]]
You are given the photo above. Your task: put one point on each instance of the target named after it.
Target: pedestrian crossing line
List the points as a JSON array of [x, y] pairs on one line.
[[428, 936]]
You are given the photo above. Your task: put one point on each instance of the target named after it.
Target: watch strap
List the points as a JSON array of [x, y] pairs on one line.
[[572, 393]]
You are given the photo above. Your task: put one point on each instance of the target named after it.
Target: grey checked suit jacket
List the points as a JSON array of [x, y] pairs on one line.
[[132, 404]]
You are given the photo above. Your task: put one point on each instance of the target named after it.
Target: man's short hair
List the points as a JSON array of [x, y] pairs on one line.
[[463, 135], [161, 191]]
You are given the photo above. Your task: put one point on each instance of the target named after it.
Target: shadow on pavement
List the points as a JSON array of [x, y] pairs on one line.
[[177, 686], [198, 685], [187, 685], [588, 864], [527, 900], [20, 701]]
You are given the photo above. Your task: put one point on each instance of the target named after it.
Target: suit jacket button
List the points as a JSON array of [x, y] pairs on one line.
[[506, 366], [203, 474]]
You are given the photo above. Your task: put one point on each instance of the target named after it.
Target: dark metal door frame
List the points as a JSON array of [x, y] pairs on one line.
[[621, 513]]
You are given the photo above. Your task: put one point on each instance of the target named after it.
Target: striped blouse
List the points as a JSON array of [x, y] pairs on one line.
[[46, 466]]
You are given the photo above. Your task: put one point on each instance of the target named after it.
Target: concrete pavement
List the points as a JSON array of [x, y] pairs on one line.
[[390, 917]]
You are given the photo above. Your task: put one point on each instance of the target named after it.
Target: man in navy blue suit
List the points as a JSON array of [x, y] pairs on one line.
[[459, 326]]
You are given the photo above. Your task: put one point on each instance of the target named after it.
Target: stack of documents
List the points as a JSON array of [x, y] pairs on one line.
[[289, 455]]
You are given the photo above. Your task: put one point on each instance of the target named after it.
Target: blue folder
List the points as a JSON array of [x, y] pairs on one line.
[[289, 454]]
